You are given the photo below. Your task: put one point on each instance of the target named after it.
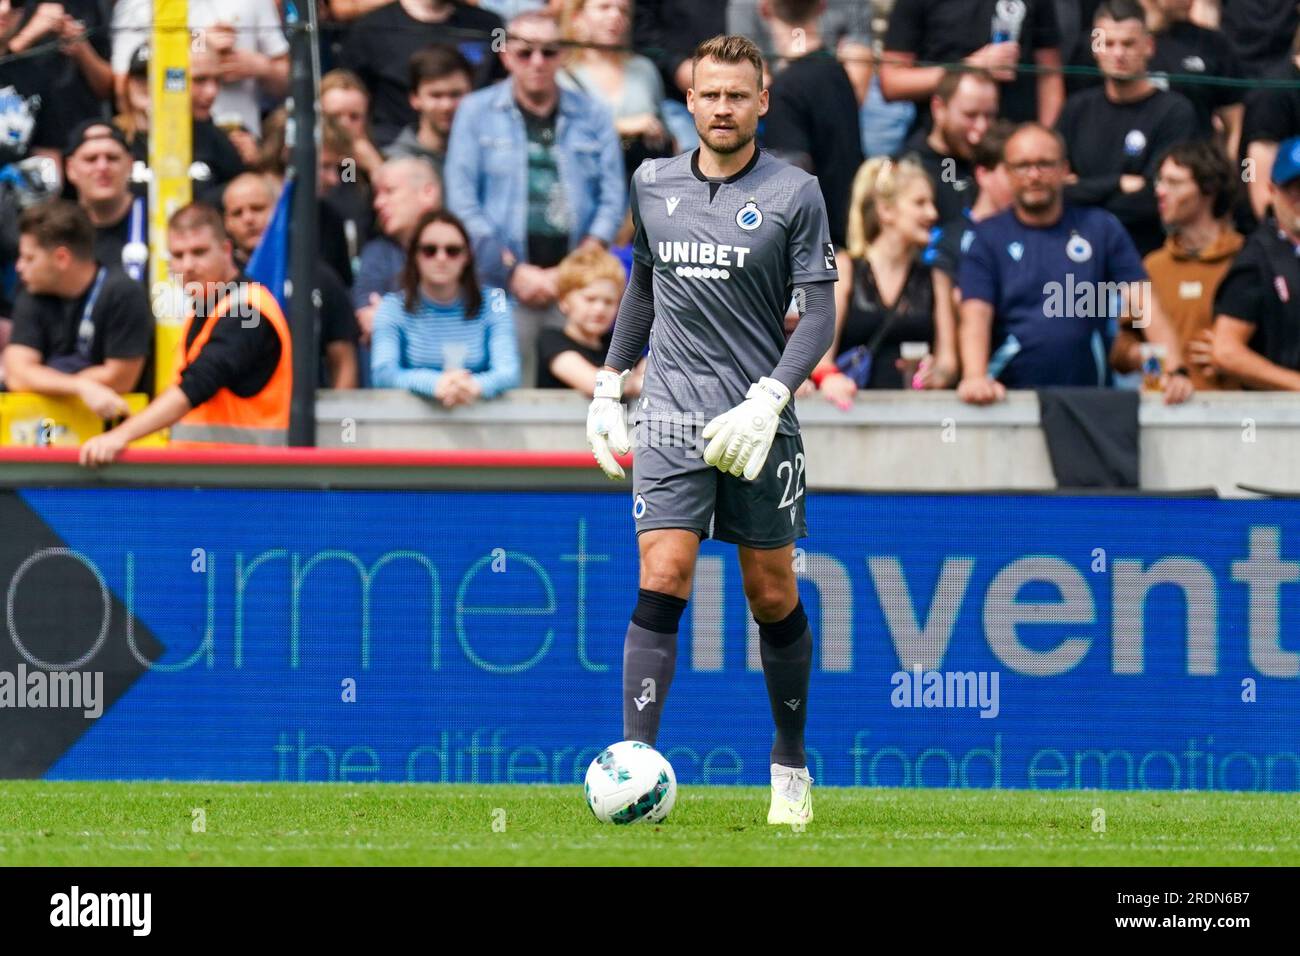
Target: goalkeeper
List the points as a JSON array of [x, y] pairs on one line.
[[725, 237]]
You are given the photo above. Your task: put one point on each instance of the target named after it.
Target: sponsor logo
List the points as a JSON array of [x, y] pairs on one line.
[[672, 202]]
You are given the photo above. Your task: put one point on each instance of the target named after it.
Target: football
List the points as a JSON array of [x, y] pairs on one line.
[[628, 782]]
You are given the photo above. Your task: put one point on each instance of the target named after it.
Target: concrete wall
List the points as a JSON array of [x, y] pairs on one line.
[[886, 441]]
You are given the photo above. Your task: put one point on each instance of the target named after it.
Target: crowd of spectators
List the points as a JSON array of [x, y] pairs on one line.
[[1022, 193]]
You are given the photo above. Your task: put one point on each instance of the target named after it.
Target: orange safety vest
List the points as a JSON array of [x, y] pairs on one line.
[[226, 419]]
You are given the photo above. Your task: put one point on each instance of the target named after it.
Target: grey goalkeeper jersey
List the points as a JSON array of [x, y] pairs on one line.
[[725, 257]]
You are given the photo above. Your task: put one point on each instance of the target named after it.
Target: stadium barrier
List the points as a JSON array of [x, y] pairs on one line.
[[205, 631]]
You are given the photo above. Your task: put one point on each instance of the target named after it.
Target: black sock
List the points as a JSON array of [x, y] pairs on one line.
[[649, 660], [785, 648]]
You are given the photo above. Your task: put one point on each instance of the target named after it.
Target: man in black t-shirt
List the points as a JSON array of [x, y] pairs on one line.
[[812, 116], [247, 205], [1183, 47], [1009, 38], [1117, 133], [65, 47], [1272, 115], [378, 49], [98, 168], [214, 159], [80, 328], [1260, 32], [1257, 305], [964, 106]]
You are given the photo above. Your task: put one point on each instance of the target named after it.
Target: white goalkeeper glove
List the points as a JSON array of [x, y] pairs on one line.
[[606, 426], [743, 436]]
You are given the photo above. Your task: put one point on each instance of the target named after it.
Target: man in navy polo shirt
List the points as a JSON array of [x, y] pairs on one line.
[[1044, 283]]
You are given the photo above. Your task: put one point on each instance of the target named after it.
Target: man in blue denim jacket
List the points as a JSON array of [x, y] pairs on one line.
[[534, 172]]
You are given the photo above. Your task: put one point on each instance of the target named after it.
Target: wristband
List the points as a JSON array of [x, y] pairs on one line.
[[822, 372]]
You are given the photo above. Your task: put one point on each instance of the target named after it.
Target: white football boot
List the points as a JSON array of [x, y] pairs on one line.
[[791, 795]]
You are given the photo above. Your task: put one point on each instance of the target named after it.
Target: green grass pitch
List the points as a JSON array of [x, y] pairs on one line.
[[128, 824]]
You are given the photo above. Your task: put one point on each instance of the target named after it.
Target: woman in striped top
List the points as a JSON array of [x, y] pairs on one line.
[[442, 336]]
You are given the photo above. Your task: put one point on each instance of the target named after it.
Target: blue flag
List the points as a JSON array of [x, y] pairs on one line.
[[269, 264]]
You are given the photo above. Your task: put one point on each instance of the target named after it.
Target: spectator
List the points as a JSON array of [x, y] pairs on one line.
[[533, 171], [441, 337], [344, 97], [993, 194], [1257, 307], [835, 21], [248, 202], [215, 160], [235, 379], [668, 32], [98, 168], [591, 283], [626, 83], [379, 46], [348, 158], [1036, 283], [1188, 49], [440, 79], [1116, 133], [1021, 33], [1272, 115], [338, 242], [812, 117], [1260, 32], [962, 107], [80, 328], [247, 38], [888, 296], [1194, 190], [26, 98], [72, 76], [405, 190]]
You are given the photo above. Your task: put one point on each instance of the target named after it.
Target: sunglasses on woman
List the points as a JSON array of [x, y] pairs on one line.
[[429, 250]]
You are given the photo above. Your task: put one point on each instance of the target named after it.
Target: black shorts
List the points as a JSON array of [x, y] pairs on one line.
[[673, 487]]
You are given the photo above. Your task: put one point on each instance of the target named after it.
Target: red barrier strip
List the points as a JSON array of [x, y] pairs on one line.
[[323, 457]]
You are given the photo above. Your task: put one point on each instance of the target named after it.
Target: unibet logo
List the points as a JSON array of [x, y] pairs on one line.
[[703, 260]]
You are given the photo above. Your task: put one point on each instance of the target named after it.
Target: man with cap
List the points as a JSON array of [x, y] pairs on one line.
[[215, 160], [97, 164], [1257, 307]]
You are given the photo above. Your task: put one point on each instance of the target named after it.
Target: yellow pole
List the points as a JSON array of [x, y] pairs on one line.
[[170, 155]]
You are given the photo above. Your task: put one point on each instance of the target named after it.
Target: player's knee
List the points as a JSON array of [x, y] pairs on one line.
[[769, 600], [666, 577]]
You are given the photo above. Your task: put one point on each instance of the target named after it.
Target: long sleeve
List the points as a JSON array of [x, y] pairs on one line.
[[386, 370], [636, 313], [811, 337], [462, 173], [503, 348]]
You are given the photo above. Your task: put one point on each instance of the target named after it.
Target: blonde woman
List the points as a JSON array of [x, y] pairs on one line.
[[628, 84], [887, 295]]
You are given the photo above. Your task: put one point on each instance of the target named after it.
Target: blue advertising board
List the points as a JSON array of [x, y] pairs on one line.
[[961, 640]]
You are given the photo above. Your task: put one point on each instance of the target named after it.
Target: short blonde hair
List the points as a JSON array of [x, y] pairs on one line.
[[581, 268], [879, 181], [731, 48]]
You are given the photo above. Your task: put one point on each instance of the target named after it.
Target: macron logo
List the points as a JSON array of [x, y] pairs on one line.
[[672, 204], [647, 694], [793, 703]]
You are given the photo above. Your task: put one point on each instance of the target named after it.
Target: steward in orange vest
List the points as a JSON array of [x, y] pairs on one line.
[[250, 406], [235, 380]]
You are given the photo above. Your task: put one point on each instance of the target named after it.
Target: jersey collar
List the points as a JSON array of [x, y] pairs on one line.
[[695, 168]]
